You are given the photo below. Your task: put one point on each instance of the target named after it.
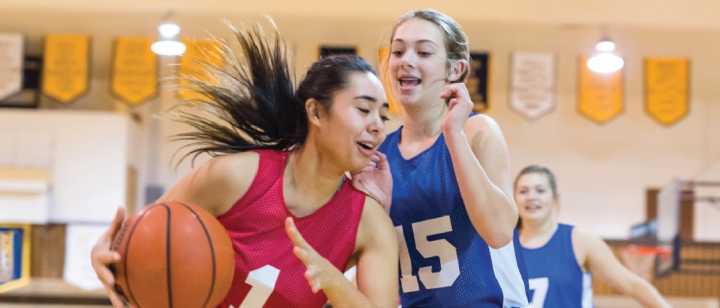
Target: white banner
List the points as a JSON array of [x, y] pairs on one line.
[[533, 83], [11, 60]]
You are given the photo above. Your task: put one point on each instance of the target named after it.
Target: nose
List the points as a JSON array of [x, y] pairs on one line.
[[408, 59], [376, 125]]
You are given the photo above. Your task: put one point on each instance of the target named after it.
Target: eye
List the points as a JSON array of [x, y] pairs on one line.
[[396, 53], [364, 110], [424, 54], [384, 118]]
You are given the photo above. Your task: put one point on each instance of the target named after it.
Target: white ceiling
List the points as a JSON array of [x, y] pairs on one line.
[[704, 14], [104, 19]]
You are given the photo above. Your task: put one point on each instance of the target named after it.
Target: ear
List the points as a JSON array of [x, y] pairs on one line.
[[457, 69], [313, 108]]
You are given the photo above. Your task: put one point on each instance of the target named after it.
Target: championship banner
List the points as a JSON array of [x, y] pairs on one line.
[[383, 70], [193, 66], [14, 256], [11, 64], [478, 81], [667, 89], [533, 84], [66, 67], [134, 70], [600, 96]]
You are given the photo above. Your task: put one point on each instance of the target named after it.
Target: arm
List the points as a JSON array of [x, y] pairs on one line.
[[218, 184], [601, 261], [214, 186], [376, 276], [482, 167]]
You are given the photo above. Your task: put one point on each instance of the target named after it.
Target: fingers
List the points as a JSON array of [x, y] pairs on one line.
[[117, 221], [314, 283], [303, 255], [294, 235], [382, 163], [115, 299], [454, 90], [107, 257], [100, 262]]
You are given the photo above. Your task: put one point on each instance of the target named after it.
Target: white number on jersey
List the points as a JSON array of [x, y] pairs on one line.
[[540, 288], [446, 252], [262, 280]]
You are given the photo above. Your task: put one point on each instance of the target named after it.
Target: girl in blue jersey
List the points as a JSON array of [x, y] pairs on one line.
[[560, 258], [452, 189]]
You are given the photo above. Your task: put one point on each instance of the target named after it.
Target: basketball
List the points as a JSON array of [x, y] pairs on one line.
[[173, 255]]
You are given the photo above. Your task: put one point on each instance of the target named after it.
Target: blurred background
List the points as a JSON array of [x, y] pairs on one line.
[[85, 124]]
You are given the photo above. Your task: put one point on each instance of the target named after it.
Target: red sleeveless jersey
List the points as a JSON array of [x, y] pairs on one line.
[[267, 273]]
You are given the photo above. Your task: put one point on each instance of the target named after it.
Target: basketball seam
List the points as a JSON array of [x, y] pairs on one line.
[[212, 252], [168, 252], [127, 254]]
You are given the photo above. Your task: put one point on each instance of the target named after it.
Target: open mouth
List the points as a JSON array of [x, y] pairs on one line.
[[366, 148], [408, 82]]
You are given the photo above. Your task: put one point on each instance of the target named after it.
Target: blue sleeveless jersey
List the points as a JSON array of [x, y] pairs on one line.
[[555, 278], [443, 260]]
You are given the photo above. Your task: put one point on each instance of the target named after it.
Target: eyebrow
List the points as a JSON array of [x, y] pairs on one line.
[[372, 99], [417, 42]]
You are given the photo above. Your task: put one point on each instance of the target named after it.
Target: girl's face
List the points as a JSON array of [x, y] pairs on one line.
[[353, 129], [418, 62], [535, 199]]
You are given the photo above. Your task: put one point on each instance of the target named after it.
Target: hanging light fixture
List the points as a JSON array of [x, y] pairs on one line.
[[605, 60], [168, 42]]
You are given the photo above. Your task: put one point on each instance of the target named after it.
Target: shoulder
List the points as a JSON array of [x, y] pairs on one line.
[[232, 170], [585, 243], [218, 183], [482, 127]]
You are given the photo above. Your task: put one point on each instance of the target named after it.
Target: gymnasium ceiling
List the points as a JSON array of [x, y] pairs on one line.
[[104, 19]]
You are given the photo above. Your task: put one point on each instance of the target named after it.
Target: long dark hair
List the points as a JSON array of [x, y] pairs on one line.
[[252, 104]]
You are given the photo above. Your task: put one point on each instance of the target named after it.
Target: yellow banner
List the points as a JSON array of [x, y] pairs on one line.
[[667, 89], [134, 70], [600, 96], [66, 67], [383, 70], [198, 55]]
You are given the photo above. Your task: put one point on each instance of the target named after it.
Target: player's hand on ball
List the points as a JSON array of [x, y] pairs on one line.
[[320, 271], [102, 257]]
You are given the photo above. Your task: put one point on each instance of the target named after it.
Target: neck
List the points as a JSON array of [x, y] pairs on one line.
[[537, 229], [423, 120], [311, 179]]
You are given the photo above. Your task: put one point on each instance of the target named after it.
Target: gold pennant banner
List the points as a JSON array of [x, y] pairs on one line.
[[193, 65], [66, 67], [384, 70], [667, 89], [134, 70], [600, 96]]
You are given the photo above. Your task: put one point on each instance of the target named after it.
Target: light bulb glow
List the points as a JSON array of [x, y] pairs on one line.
[[168, 48], [605, 63]]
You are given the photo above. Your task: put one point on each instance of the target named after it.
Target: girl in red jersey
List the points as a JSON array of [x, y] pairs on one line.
[[276, 180]]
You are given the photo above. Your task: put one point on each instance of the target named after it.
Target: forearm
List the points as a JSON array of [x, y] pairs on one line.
[[491, 210], [341, 293], [643, 292]]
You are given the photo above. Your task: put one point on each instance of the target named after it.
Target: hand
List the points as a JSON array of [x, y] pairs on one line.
[[375, 180], [459, 107], [102, 257], [320, 272]]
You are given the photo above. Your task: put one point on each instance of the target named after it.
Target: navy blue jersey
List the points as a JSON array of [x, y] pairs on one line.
[[555, 277], [443, 260]]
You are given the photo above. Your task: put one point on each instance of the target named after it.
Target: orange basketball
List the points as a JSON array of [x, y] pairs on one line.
[[174, 255]]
